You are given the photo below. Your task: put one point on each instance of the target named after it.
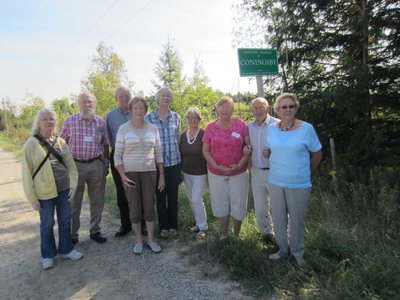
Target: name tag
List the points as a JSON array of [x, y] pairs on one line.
[[235, 135], [88, 139]]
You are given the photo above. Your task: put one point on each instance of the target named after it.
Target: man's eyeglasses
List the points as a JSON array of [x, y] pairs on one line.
[[288, 106]]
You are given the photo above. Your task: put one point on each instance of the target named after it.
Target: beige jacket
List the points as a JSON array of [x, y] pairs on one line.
[[43, 186]]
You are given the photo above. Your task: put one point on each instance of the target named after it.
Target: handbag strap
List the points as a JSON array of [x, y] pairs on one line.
[[47, 155], [50, 148]]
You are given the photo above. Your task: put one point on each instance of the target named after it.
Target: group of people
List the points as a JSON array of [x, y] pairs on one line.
[[150, 157]]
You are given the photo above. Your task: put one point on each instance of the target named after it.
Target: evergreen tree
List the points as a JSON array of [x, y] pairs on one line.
[[169, 73]]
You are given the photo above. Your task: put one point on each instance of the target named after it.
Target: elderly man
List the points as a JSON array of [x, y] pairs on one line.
[[114, 120], [86, 136], [258, 130]]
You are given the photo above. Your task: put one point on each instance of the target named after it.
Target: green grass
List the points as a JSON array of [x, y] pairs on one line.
[[349, 253], [347, 257], [11, 144]]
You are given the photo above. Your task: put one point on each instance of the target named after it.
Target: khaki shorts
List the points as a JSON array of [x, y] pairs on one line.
[[229, 195]]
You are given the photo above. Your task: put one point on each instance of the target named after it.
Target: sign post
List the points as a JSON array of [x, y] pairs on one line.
[[258, 62]]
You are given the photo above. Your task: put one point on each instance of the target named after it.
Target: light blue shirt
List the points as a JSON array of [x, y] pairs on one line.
[[169, 134], [290, 155]]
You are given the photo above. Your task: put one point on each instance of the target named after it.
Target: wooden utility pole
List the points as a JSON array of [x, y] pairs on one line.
[[333, 153], [5, 115], [260, 87]]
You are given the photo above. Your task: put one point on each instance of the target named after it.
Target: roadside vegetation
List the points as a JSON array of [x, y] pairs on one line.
[[352, 252]]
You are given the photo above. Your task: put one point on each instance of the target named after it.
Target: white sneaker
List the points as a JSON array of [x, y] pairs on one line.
[[47, 263], [275, 256], [154, 247], [73, 255], [173, 233], [164, 234], [138, 248]]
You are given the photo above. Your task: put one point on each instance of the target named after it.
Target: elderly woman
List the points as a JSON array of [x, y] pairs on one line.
[[137, 155], [294, 151], [194, 169], [228, 177], [168, 123], [50, 178]]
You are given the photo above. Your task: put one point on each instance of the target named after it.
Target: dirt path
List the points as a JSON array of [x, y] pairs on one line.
[[107, 271]]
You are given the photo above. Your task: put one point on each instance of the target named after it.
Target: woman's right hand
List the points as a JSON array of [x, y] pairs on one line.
[[128, 183], [36, 205]]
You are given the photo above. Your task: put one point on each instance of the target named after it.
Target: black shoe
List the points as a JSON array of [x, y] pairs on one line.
[[98, 238], [122, 232], [75, 241]]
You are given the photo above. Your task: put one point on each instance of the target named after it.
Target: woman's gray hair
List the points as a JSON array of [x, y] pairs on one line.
[[193, 111], [35, 125], [161, 91], [286, 95]]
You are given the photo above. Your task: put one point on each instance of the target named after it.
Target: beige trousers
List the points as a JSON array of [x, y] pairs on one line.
[[94, 175]]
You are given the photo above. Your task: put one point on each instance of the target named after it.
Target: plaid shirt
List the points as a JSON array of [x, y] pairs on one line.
[[169, 133], [86, 140]]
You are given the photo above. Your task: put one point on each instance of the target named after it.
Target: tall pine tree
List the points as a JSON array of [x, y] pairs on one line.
[[168, 71]]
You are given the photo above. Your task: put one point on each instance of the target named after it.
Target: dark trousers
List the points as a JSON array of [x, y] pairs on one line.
[[121, 198], [167, 200]]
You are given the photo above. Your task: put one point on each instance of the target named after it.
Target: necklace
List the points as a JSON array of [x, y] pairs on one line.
[[191, 142], [287, 128]]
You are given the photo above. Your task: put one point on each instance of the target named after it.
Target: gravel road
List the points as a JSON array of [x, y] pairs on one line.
[[107, 271]]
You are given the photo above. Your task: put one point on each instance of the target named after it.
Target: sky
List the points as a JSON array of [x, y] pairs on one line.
[[46, 45]]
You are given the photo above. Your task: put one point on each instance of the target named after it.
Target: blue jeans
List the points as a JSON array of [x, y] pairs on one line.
[[47, 240]]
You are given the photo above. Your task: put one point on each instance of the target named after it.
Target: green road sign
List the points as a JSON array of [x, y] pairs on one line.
[[257, 62]]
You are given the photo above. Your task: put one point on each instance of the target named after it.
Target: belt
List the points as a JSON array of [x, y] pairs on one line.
[[86, 161], [264, 168]]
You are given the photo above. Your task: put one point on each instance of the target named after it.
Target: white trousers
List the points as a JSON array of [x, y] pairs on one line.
[[262, 206], [194, 186], [229, 195], [289, 207]]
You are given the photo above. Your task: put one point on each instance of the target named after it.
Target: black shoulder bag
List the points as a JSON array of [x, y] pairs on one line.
[[50, 149]]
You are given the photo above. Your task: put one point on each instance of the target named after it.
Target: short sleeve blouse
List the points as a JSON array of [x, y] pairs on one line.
[[226, 145]]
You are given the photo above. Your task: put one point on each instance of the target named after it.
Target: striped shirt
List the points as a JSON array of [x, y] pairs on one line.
[[86, 140], [138, 150], [169, 133]]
